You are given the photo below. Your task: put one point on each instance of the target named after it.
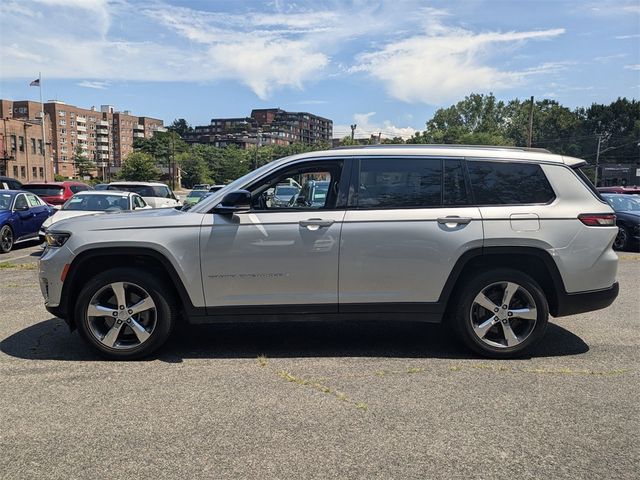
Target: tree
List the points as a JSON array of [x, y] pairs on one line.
[[83, 165], [194, 167], [139, 167], [181, 127]]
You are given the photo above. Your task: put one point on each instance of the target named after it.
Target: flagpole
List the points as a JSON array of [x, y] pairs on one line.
[[44, 137]]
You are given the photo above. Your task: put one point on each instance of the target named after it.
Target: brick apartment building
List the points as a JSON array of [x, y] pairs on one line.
[[263, 127], [23, 152], [104, 136]]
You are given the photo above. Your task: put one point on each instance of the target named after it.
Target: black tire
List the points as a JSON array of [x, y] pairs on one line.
[[165, 309], [6, 239], [465, 308], [622, 240]]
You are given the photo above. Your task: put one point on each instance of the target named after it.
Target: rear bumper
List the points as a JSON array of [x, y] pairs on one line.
[[574, 303]]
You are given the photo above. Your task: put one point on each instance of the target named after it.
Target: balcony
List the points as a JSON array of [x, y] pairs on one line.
[[102, 148], [103, 123], [102, 140], [138, 134], [82, 128], [102, 131], [81, 119], [82, 137], [138, 127]]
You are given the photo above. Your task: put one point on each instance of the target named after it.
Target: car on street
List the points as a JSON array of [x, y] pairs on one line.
[[194, 197], [215, 188], [627, 208], [201, 186], [21, 215], [391, 232], [157, 195], [8, 183], [101, 186], [631, 190], [56, 193], [284, 193], [93, 202]]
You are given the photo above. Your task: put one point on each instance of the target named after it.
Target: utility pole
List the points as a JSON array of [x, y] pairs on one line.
[[529, 139], [598, 159], [353, 130]]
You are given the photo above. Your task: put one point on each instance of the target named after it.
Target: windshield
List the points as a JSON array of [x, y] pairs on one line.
[[623, 203], [44, 190], [98, 203], [144, 190], [5, 201], [197, 194]]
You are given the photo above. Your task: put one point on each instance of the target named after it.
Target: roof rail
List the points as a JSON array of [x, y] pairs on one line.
[[447, 145]]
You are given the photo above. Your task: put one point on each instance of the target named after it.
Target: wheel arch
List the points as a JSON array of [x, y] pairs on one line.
[[89, 262], [535, 262]]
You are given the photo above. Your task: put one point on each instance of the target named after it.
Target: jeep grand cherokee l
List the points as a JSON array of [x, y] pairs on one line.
[[488, 240]]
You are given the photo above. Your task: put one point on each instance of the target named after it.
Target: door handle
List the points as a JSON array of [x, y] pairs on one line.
[[455, 219], [315, 222]]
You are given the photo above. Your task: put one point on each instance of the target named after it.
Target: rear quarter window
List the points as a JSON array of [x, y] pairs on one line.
[[508, 183]]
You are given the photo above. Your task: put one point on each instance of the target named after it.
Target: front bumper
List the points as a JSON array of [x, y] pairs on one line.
[[574, 303]]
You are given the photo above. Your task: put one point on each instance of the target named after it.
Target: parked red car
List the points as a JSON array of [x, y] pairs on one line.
[[633, 190], [56, 193]]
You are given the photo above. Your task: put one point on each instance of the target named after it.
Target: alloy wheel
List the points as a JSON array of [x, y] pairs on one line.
[[503, 314], [6, 239], [621, 239], [122, 315]]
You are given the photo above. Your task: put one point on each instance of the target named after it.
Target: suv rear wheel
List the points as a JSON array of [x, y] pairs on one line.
[[124, 314], [501, 313]]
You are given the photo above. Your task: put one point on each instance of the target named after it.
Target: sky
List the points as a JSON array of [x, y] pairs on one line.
[[383, 65]]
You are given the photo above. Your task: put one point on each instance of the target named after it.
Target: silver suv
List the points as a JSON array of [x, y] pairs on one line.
[[489, 240]]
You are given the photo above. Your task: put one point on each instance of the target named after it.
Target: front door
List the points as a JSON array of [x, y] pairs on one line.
[[282, 255]]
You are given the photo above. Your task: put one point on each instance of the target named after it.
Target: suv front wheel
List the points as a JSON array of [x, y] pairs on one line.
[[501, 313], [124, 314]]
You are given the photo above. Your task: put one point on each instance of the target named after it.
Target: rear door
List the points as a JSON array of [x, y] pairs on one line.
[[408, 222]]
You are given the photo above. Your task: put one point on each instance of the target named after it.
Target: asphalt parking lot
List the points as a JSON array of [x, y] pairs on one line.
[[317, 401]]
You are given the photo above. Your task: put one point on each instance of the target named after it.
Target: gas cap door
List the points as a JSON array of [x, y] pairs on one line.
[[524, 222]]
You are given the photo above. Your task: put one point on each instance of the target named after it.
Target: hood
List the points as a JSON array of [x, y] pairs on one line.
[[64, 214], [138, 219]]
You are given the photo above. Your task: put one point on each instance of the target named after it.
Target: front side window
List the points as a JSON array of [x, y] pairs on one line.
[[513, 183], [21, 202], [399, 183], [138, 202], [307, 186]]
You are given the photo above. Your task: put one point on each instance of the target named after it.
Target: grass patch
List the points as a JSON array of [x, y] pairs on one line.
[[415, 370], [262, 361], [18, 266], [341, 396], [362, 406]]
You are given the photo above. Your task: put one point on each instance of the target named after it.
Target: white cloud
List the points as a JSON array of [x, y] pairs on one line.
[[366, 127], [446, 63], [606, 58], [632, 67], [626, 37], [97, 85]]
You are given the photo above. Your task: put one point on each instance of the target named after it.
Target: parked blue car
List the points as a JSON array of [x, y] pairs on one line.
[[21, 214]]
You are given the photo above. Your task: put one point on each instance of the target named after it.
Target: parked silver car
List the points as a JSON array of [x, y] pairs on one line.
[[489, 240]]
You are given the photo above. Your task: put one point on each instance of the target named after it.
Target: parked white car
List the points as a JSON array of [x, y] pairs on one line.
[[95, 201], [157, 195]]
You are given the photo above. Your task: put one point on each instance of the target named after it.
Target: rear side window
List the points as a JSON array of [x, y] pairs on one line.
[[502, 183], [399, 183]]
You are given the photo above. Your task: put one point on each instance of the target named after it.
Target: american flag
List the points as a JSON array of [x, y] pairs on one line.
[[35, 83]]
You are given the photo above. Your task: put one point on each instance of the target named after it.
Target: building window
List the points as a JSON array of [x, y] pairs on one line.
[[41, 172], [72, 123], [63, 122], [23, 172], [34, 172], [64, 158], [33, 146], [62, 113], [40, 147], [21, 144], [13, 143], [63, 131], [15, 171]]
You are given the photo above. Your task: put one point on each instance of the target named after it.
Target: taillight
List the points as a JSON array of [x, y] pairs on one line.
[[598, 219]]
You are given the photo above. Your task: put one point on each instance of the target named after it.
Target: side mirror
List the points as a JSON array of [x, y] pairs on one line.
[[236, 201]]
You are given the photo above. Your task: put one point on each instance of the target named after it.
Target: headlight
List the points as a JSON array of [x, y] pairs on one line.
[[56, 239]]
